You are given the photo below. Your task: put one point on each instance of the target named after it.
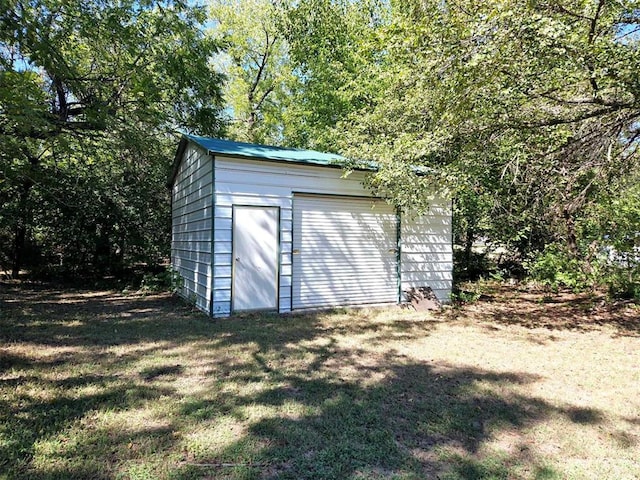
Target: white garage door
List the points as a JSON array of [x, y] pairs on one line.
[[344, 251]]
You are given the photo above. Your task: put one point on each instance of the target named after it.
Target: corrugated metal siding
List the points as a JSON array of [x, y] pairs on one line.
[[191, 226], [251, 182], [345, 251], [426, 250]]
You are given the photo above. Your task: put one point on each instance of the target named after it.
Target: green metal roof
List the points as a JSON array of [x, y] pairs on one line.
[[250, 150]]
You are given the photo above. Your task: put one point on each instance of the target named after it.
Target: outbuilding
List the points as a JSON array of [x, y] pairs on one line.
[[257, 227]]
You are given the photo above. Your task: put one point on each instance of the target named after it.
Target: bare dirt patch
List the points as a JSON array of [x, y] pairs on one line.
[[537, 308]]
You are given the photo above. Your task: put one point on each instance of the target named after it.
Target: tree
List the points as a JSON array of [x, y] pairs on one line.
[[525, 112], [90, 92], [256, 61], [560, 104], [332, 44], [534, 102]]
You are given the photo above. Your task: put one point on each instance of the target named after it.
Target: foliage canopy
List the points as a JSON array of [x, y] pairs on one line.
[[90, 92], [525, 113]]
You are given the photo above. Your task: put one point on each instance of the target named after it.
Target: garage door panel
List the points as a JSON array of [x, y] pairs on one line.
[[328, 298], [377, 277], [363, 260], [345, 251], [354, 224], [335, 270]]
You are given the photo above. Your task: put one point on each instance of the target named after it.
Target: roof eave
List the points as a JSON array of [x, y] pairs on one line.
[[341, 163]]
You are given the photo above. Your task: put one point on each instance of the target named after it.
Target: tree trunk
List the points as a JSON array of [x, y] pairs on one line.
[[468, 252], [572, 239], [468, 246], [251, 124], [20, 230], [19, 237]]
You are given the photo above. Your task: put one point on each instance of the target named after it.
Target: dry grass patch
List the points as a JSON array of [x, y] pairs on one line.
[[520, 385]]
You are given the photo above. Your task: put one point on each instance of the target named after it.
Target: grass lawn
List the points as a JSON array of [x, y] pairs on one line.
[[97, 384]]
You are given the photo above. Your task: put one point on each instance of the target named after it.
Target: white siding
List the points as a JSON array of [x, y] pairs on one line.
[[426, 250], [426, 253], [191, 226], [258, 182]]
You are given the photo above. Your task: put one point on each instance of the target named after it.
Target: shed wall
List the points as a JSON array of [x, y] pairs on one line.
[[259, 182], [251, 182], [191, 226], [426, 250]]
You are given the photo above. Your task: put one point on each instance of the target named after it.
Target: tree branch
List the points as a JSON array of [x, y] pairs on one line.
[[562, 9], [567, 121], [263, 97], [262, 65], [590, 38], [588, 101]]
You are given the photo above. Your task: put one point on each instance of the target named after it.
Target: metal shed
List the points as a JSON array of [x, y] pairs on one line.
[[267, 228]]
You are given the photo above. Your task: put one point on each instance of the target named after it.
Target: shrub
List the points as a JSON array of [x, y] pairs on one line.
[[167, 280], [624, 283], [594, 267], [555, 267]]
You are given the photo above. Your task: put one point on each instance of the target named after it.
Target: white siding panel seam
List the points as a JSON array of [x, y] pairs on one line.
[[244, 166], [194, 176], [203, 224], [197, 257], [193, 170], [194, 288], [195, 275], [196, 214], [192, 251], [188, 202], [199, 185], [191, 231], [305, 172], [194, 206], [195, 160], [191, 287], [202, 191], [192, 242]]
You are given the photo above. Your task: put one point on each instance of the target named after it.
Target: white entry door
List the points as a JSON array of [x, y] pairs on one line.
[[255, 258]]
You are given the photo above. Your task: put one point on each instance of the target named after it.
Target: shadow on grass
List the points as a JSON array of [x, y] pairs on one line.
[[36, 313], [64, 369], [323, 411], [420, 422], [560, 311], [29, 420]]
